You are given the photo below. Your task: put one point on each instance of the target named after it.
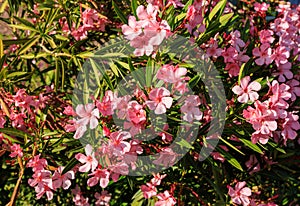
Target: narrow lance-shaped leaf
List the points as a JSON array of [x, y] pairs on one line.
[[119, 13]]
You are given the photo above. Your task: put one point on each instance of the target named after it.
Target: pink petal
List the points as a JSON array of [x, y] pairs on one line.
[[245, 81], [80, 111], [167, 101], [80, 131], [92, 181], [237, 90], [160, 109], [244, 98], [246, 191], [93, 122], [254, 86], [253, 96]]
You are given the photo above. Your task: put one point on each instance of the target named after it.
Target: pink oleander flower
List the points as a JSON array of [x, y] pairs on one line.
[[156, 180], [261, 7], [99, 175], [294, 89], [247, 91], [284, 72], [62, 180], [89, 161], [264, 54], [213, 50], [147, 15], [290, 127], [41, 178], [68, 110], [148, 190], [266, 36], [160, 100], [195, 18], [171, 74], [230, 55], [240, 194], [36, 163], [280, 94], [117, 144], [122, 105], [136, 113], [165, 199], [107, 106], [157, 32], [167, 157], [142, 46], [16, 150], [190, 109], [78, 198], [44, 190], [133, 29], [88, 115], [263, 120], [233, 69], [103, 198], [236, 40], [253, 165], [121, 168], [281, 55]]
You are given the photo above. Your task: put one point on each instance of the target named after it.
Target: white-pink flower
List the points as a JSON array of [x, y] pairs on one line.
[[190, 108], [247, 91], [99, 175], [165, 199], [16, 150], [62, 180], [240, 194], [89, 161], [88, 115], [160, 100]]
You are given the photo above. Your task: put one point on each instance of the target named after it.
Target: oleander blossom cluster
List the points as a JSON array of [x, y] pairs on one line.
[[147, 32], [120, 146], [90, 20]]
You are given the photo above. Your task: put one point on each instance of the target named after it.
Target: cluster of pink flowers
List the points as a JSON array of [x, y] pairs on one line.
[[271, 118], [242, 195], [91, 20], [149, 190], [44, 182], [147, 32]]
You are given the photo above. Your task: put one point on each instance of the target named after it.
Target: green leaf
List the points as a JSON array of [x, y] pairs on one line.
[[138, 199], [134, 7], [252, 146], [276, 146], [149, 72], [34, 56], [23, 27], [28, 45], [114, 69], [119, 13], [70, 165], [26, 23], [16, 74], [225, 18], [230, 145], [218, 8], [184, 143], [241, 74], [230, 159], [16, 133]]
